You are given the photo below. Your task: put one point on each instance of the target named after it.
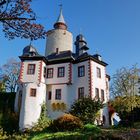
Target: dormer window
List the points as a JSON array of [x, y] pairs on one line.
[[31, 69]]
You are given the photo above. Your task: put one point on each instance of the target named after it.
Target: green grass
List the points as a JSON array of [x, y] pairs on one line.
[[89, 131], [80, 134], [56, 135]]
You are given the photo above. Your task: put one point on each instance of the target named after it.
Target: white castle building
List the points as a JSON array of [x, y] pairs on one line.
[[59, 77]]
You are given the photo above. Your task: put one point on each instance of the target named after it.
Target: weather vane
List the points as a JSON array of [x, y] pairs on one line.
[[60, 6]]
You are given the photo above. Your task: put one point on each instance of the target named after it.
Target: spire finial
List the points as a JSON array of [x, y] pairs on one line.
[[61, 18], [60, 7], [60, 23]]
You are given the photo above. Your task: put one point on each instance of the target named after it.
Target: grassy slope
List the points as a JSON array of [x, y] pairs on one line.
[[132, 134]]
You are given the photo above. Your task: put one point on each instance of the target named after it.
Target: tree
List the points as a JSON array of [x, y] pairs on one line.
[[124, 89], [17, 19], [125, 82], [86, 109], [125, 106], [10, 72]]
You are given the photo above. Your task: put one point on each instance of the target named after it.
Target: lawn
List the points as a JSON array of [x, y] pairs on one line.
[[103, 134]]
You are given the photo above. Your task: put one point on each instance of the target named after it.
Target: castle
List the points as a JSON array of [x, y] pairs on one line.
[[59, 77]]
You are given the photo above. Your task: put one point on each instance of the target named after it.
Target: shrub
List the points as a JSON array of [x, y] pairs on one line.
[[91, 128], [3, 135], [9, 122], [43, 121], [125, 123], [67, 122], [86, 109]]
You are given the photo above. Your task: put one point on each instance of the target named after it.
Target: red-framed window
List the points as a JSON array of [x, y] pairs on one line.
[[80, 92], [98, 72], [50, 73], [49, 95], [81, 71], [45, 70], [102, 95], [96, 93], [33, 92], [31, 69], [61, 72]]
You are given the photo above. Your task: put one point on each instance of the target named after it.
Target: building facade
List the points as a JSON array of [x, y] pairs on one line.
[[59, 77]]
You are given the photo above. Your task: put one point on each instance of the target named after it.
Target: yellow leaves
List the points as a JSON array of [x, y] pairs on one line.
[[58, 106]]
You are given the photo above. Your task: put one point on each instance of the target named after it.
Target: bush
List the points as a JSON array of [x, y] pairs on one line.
[[125, 123], [86, 109], [91, 128], [67, 122], [43, 121], [9, 122]]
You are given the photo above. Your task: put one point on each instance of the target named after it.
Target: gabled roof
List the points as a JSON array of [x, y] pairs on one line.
[[37, 57], [85, 56], [61, 55]]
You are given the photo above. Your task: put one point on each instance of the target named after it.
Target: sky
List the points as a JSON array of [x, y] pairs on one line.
[[110, 27]]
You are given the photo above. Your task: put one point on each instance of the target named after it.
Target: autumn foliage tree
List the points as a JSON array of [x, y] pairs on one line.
[[10, 72], [18, 20], [125, 91]]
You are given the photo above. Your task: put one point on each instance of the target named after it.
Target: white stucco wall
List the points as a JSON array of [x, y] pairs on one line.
[[42, 79], [31, 106], [58, 38], [80, 81], [69, 91], [55, 79], [30, 77], [99, 83], [64, 99]]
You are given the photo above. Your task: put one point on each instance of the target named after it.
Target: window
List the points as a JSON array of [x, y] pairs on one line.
[[107, 86], [96, 93], [50, 73], [61, 72], [49, 95], [58, 94], [44, 72], [102, 95], [57, 50], [81, 71], [80, 92], [98, 72], [31, 69], [33, 92]]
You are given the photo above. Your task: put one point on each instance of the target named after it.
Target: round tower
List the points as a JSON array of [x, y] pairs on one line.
[[59, 39], [31, 93]]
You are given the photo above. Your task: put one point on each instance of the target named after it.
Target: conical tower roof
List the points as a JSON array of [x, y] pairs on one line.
[[60, 17], [60, 23]]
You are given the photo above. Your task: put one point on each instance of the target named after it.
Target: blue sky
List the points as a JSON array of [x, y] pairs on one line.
[[110, 27]]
